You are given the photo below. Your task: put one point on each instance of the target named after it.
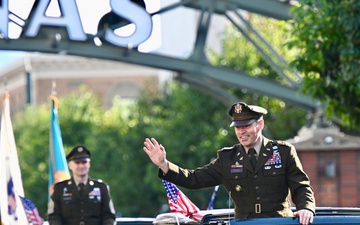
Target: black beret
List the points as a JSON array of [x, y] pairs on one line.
[[78, 153], [243, 114]]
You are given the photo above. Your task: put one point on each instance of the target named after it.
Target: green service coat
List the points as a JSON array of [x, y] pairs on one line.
[[263, 192]]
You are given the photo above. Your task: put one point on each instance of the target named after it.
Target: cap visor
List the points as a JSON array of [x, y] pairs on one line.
[[79, 158], [242, 123]]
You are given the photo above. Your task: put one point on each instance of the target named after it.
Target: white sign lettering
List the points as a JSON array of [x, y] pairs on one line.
[[4, 17], [136, 15], [70, 19]]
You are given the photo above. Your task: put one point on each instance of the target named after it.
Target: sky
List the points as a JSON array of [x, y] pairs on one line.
[[90, 12], [8, 57]]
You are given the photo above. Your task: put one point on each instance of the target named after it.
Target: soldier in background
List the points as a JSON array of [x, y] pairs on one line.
[[258, 173], [80, 200]]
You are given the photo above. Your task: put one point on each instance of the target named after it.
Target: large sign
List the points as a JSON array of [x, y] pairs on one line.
[[125, 10]]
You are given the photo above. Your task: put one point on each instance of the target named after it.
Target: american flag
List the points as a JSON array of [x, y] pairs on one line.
[[178, 202], [213, 198], [31, 212]]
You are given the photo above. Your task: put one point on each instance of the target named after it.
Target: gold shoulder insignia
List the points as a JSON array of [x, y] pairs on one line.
[[284, 143], [227, 148]]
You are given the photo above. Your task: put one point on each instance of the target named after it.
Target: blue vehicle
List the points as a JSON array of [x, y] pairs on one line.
[[324, 216]]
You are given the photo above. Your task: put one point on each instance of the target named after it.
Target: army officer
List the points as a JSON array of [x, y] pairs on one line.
[[257, 172], [80, 200]]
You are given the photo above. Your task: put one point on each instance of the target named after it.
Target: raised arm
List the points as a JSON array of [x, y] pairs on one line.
[[156, 153]]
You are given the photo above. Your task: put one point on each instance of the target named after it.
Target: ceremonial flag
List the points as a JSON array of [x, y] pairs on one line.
[[58, 168], [31, 212], [213, 198], [178, 202], [11, 186]]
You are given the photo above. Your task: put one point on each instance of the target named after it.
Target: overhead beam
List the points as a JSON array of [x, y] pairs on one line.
[[188, 66], [271, 8]]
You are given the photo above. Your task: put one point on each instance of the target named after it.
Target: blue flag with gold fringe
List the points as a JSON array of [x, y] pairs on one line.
[[58, 168]]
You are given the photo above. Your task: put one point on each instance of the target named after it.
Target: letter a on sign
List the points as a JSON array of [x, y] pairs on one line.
[[70, 19]]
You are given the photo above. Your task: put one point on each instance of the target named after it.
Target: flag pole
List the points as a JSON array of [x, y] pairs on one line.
[[213, 198]]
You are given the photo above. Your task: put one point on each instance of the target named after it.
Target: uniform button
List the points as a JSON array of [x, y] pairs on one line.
[[81, 210], [236, 177], [257, 188], [258, 198], [255, 176]]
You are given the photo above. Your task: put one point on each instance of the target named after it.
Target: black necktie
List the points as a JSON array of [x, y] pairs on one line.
[[252, 154], [81, 189]]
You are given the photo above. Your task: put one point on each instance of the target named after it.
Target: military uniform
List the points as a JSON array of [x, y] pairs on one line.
[[259, 192], [70, 206]]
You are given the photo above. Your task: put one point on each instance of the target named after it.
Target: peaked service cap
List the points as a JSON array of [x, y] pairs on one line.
[[243, 114], [78, 153]]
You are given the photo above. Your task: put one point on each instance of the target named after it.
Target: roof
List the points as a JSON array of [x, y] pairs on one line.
[[324, 138]]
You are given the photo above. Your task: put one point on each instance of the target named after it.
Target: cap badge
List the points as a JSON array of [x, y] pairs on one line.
[[238, 108], [80, 149]]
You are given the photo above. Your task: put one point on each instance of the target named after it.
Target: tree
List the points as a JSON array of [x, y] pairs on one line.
[[192, 126], [326, 34], [78, 114], [284, 119], [188, 122]]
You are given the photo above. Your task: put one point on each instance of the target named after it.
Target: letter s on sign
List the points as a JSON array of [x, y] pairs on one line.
[[136, 15]]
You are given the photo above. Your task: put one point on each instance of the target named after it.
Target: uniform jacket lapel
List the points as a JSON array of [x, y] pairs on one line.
[[246, 159], [75, 189], [265, 153]]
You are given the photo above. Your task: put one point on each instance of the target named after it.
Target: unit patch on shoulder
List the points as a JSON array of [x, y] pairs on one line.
[[213, 161]]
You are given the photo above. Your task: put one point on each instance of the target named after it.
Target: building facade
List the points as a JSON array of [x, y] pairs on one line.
[[33, 79], [332, 161]]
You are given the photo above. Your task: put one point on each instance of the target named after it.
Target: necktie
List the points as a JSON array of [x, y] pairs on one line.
[[81, 189], [252, 154]]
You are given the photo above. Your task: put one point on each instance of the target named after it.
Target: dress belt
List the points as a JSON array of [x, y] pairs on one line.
[[259, 208]]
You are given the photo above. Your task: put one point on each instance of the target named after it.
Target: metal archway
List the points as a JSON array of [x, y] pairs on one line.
[[195, 69]]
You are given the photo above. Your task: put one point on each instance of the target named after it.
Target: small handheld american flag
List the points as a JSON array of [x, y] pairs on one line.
[[31, 212], [178, 202]]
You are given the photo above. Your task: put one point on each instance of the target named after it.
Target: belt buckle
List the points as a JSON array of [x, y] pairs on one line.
[[82, 223], [258, 208]]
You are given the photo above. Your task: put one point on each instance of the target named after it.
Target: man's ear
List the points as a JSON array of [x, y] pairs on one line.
[[260, 124]]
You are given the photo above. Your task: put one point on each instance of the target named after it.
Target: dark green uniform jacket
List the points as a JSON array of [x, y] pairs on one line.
[[66, 207], [260, 193]]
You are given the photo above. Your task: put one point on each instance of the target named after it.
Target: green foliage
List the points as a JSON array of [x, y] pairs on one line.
[[328, 38], [284, 119], [31, 131], [190, 124], [115, 138]]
